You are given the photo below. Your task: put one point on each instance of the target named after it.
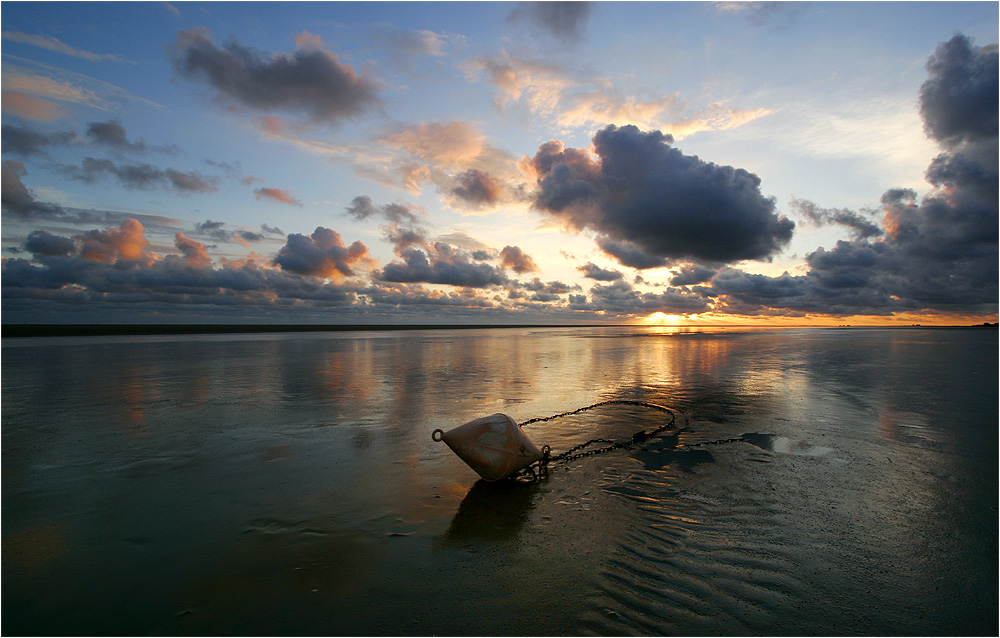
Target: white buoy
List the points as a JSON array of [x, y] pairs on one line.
[[494, 446]]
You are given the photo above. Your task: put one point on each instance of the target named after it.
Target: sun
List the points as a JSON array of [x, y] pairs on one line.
[[661, 318]]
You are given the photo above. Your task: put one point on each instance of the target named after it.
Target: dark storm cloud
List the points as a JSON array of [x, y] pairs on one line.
[[362, 209], [542, 292], [477, 187], [629, 254], [16, 198], [620, 297], [959, 100], [272, 230], [565, 20], [692, 274], [183, 282], [859, 225], [141, 176], [514, 258], [322, 254], [936, 254], [593, 271], [310, 80], [25, 142], [44, 244], [652, 204], [844, 292], [448, 266]]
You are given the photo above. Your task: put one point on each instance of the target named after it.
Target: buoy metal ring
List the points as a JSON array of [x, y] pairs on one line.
[[437, 434]]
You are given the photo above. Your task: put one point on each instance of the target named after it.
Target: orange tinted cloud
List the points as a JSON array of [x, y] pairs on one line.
[[277, 195], [127, 242], [194, 251], [517, 260], [31, 108]]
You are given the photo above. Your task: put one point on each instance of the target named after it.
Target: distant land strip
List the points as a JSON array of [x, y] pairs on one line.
[[97, 330], [100, 329]]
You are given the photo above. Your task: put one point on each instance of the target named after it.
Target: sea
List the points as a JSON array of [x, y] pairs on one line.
[[815, 481]]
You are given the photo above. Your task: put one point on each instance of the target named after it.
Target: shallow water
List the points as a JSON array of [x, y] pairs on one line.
[[288, 484]]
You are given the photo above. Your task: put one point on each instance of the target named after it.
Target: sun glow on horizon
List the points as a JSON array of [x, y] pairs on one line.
[[661, 319]]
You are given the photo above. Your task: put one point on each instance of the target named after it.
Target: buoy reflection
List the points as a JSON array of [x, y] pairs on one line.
[[492, 511]]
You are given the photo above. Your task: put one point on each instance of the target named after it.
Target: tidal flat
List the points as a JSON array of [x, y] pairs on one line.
[[286, 483]]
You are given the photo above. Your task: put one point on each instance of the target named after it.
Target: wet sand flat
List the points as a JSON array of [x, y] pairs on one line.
[[287, 484]]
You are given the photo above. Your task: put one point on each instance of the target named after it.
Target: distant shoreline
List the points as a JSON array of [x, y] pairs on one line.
[[97, 330]]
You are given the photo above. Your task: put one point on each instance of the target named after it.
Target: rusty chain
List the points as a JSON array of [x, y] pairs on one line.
[[573, 453]]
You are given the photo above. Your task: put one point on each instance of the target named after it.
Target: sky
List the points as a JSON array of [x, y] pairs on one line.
[[816, 163]]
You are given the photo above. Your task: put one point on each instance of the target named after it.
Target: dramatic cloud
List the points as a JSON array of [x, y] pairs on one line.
[[477, 187], [593, 271], [959, 100], [195, 253], [514, 258], [859, 225], [45, 244], [937, 254], [652, 204], [692, 274], [15, 196], [564, 20], [72, 284], [128, 242], [141, 176], [619, 297], [310, 81], [631, 255], [322, 254], [277, 195], [442, 263]]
